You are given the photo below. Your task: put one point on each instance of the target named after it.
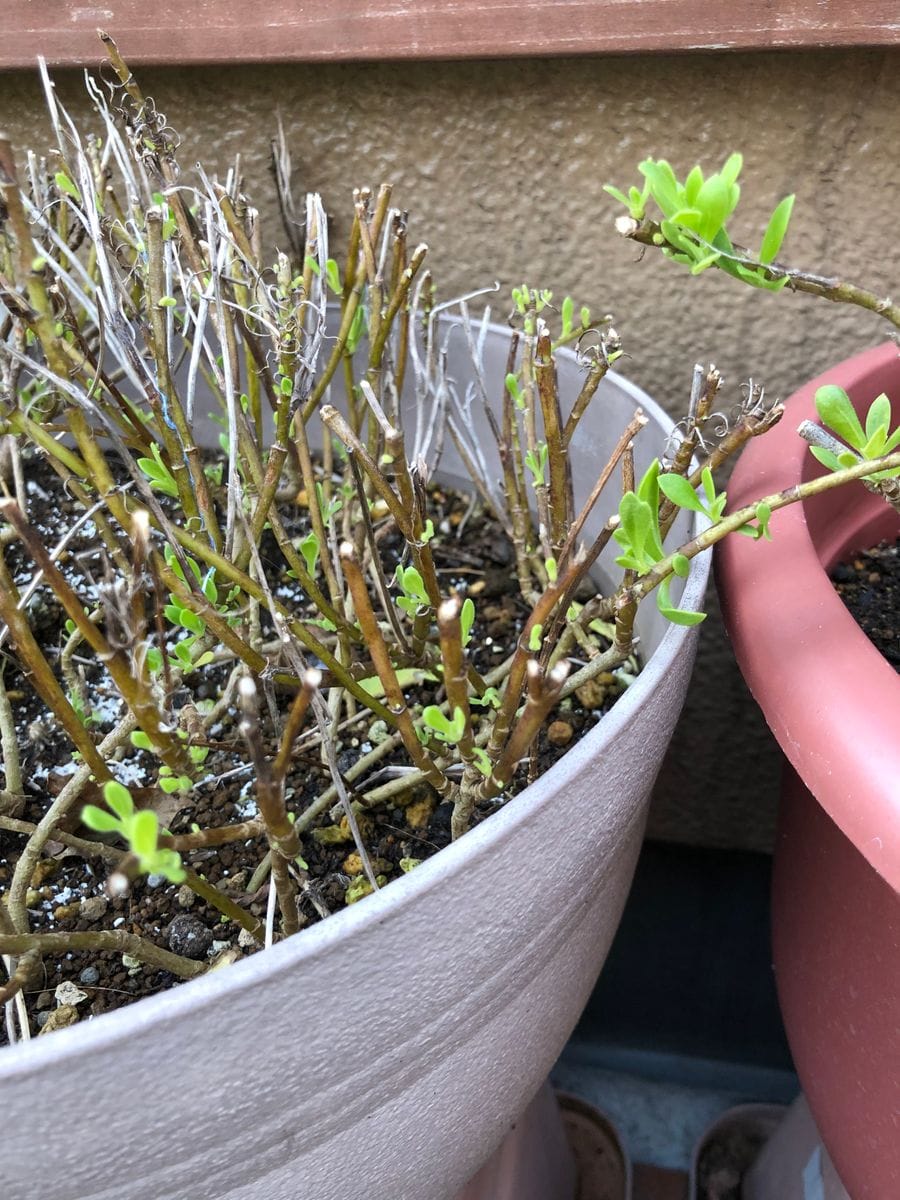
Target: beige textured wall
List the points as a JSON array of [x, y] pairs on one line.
[[502, 164]]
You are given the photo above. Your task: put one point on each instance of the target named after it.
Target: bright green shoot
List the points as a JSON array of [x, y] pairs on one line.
[[139, 828], [415, 595], [872, 441], [640, 536], [693, 216], [161, 478], [442, 727]]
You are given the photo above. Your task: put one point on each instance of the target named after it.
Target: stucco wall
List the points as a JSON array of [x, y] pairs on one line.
[[502, 164]]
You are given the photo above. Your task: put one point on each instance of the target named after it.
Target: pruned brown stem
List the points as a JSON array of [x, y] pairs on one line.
[[637, 422], [26, 963], [134, 689], [120, 941], [381, 583], [384, 668], [561, 504], [41, 675], [310, 683], [540, 615], [704, 388], [455, 672], [9, 746], [543, 693], [339, 427], [220, 835], [625, 613], [84, 846], [283, 839], [582, 400], [226, 906]]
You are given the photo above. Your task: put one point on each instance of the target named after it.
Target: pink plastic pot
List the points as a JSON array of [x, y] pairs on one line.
[[833, 703]]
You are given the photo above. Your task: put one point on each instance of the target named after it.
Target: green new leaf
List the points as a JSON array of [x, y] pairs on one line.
[[158, 473], [829, 459], [168, 863], [775, 230], [190, 621], [835, 410], [333, 276], [309, 548], [481, 761], [678, 616], [143, 832], [65, 184], [118, 797], [467, 620], [515, 390], [357, 330], [537, 463], [681, 565], [100, 820], [208, 587], [763, 516], [444, 729], [878, 417], [413, 588], [680, 492], [648, 488]]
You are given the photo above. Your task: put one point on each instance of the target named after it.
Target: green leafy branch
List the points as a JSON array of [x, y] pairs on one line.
[[692, 227], [692, 230]]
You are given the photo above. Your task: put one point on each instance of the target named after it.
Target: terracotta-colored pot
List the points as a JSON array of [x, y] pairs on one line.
[[833, 703], [387, 1051]]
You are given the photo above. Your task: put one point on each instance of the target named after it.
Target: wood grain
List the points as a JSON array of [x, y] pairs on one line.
[[215, 31]]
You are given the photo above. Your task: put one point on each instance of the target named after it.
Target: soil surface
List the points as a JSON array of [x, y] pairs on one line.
[[724, 1161], [68, 891], [870, 587]]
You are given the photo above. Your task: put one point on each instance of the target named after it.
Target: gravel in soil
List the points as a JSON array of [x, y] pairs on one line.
[[68, 892], [869, 584]]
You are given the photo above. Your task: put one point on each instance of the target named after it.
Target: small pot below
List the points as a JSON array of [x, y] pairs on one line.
[[732, 1142], [561, 1149]]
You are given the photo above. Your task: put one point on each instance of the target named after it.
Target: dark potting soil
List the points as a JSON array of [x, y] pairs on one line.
[[68, 891], [869, 585]]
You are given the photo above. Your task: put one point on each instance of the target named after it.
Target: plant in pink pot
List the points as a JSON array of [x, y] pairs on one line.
[[833, 702]]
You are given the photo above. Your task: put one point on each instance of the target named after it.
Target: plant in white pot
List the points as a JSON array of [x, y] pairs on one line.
[[250, 688]]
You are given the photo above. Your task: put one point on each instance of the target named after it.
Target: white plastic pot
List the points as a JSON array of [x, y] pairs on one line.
[[794, 1164], [385, 1052]]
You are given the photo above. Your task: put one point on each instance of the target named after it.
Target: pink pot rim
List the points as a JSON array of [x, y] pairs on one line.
[[830, 698]]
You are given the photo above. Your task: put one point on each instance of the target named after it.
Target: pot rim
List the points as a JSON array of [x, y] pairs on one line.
[[812, 670], [93, 1036]]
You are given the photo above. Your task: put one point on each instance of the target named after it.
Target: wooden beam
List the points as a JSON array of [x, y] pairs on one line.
[[217, 31]]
